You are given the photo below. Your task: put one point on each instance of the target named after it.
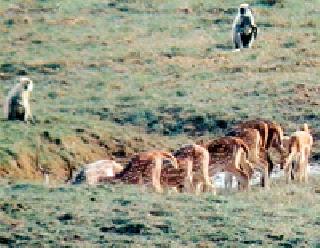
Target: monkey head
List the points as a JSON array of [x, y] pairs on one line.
[[245, 10], [26, 83]]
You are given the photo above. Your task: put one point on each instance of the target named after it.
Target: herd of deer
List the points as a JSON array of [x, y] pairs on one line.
[[244, 149]]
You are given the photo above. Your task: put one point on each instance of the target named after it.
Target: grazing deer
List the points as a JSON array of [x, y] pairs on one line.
[[256, 154], [271, 137], [194, 159], [97, 172], [299, 148], [229, 154], [145, 168]]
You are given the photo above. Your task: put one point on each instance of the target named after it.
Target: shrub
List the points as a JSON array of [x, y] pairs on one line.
[[271, 2]]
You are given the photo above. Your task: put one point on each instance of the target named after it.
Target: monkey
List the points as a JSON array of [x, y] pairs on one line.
[[17, 104], [244, 29]]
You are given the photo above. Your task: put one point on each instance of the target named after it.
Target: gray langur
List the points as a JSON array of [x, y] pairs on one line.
[[244, 29], [17, 104]]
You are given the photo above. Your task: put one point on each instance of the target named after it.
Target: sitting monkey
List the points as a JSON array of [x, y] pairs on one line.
[[244, 29], [17, 104]]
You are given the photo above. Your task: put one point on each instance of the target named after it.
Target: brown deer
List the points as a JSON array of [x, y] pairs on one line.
[[271, 137], [256, 154], [194, 159], [299, 147], [229, 154], [145, 168]]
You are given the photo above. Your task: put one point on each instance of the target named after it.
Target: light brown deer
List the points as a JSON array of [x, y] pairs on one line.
[[299, 148]]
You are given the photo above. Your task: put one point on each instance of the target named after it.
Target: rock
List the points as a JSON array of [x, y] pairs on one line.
[[65, 217], [185, 10]]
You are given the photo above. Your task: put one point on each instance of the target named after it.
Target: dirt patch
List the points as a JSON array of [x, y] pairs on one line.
[[61, 156]]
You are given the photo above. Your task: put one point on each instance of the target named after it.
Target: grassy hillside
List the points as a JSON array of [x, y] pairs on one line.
[[116, 77], [127, 216]]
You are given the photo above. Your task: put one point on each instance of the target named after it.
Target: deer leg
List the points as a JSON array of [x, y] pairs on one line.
[[288, 172], [199, 188], [264, 167], [188, 184], [156, 173], [307, 165], [270, 163], [288, 166], [242, 177], [301, 166], [228, 181]]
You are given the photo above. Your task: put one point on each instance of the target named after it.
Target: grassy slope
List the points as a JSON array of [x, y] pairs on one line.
[[285, 216], [116, 77]]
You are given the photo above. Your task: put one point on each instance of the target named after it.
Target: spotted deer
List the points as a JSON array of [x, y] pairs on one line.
[[145, 168], [229, 154], [256, 153], [194, 159], [271, 137]]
